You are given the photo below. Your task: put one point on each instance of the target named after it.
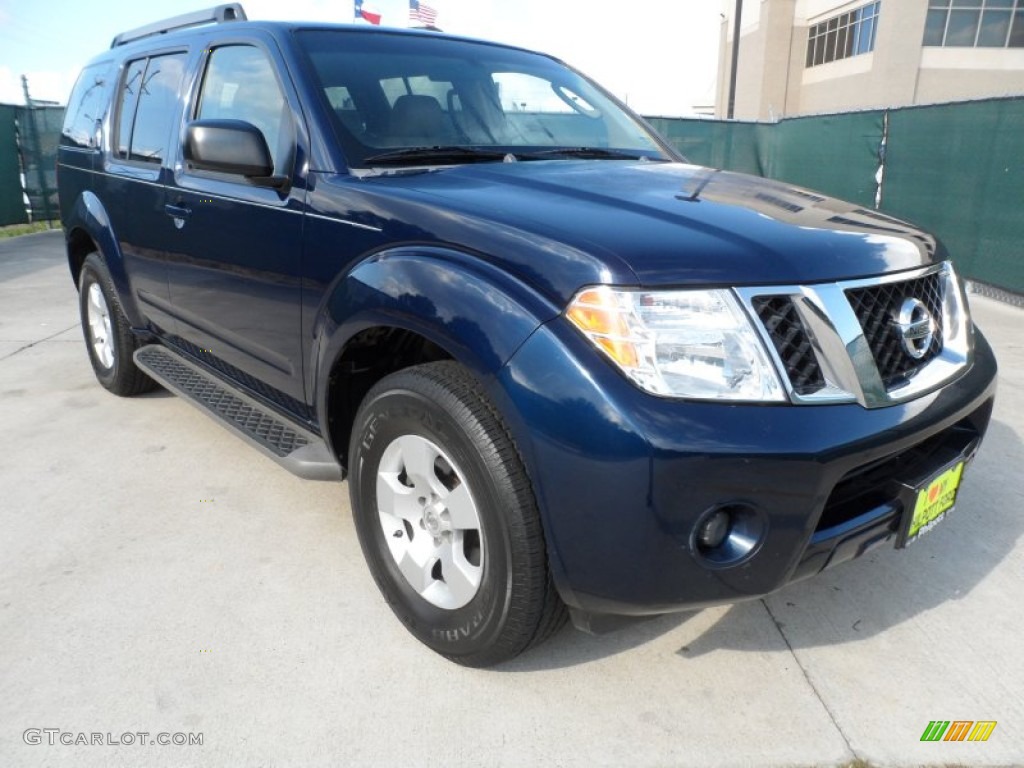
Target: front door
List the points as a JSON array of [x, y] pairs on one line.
[[234, 268]]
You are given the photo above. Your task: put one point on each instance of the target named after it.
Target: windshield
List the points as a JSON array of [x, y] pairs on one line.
[[393, 94]]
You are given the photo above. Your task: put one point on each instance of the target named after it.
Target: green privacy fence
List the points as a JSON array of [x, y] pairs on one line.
[[40, 131], [961, 172], [733, 145], [837, 154], [28, 149], [955, 169], [12, 207]]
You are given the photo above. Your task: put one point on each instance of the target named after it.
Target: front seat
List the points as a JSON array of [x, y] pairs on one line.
[[418, 119]]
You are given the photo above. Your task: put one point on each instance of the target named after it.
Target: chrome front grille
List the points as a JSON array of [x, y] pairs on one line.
[[852, 341], [792, 344], [878, 306]]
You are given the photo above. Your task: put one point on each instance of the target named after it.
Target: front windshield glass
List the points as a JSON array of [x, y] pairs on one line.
[[393, 94]]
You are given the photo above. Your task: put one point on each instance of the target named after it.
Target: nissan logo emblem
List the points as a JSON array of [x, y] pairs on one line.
[[916, 327]]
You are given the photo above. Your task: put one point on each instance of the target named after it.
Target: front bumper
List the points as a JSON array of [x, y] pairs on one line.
[[622, 478]]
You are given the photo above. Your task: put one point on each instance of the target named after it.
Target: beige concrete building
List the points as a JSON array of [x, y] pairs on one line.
[[800, 57]]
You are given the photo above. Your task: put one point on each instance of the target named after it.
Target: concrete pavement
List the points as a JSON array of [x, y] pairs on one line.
[[158, 575]]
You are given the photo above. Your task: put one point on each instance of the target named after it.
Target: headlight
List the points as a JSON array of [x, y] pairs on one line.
[[695, 344]]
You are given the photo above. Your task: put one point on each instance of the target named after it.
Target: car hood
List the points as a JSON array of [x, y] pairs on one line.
[[675, 224]]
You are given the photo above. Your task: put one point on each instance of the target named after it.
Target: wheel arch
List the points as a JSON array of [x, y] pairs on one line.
[[87, 229], [79, 245], [409, 306]]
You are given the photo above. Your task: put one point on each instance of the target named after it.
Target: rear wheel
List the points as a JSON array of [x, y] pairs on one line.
[[447, 518], [108, 335]]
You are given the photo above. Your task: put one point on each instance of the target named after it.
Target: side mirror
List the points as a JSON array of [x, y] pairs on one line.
[[228, 146]]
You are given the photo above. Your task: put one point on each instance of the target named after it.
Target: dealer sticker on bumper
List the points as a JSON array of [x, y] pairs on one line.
[[934, 501]]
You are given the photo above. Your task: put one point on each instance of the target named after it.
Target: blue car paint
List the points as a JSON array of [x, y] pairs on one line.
[[622, 477], [463, 305], [482, 260], [637, 220]]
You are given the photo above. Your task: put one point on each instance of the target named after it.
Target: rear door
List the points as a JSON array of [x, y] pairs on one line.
[[235, 246], [131, 186]]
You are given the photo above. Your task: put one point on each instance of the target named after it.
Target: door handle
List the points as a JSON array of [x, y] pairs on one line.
[[177, 211]]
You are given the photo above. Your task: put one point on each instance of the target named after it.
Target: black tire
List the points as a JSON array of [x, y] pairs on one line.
[[119, 375], [515, 605]]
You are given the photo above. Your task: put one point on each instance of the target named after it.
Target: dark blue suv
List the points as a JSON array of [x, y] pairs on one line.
[[561, 367]]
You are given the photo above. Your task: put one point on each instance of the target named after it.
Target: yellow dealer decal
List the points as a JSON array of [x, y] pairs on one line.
[[936, 499]]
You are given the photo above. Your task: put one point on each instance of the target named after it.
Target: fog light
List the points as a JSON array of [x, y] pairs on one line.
[[713, 531], [728, 534]]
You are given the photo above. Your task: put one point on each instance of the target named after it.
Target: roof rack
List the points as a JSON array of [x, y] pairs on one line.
[[216, 15]]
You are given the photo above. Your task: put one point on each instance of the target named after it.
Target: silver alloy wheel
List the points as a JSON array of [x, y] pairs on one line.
[[430, 522], [100, 326]]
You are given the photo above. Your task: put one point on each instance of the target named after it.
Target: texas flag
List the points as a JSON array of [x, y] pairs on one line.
[[373, 18]]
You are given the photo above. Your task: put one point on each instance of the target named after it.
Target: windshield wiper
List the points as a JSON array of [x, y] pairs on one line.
[[460, 154], [587, 153], [442, 155]]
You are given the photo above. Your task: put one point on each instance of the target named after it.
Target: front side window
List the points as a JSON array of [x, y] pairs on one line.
[[389, 93], [240, 84], [975, 24], [843, 36], [148, 105]]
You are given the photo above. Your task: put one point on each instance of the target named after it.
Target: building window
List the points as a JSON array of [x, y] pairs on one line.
[[840, 37], [975, 23]]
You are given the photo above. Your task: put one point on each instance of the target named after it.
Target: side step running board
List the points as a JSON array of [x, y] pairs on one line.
[[294, 448]]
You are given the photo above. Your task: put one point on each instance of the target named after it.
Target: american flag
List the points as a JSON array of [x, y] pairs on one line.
[[422, 13]]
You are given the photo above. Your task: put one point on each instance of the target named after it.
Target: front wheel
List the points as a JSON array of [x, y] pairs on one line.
[[447, 518]]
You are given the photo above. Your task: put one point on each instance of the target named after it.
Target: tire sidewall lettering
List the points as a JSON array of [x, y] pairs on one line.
[[388, 417]]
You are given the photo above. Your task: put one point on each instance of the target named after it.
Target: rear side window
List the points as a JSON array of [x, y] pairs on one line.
[[240, 84], [129, 100], [87, 107], [148, 101]]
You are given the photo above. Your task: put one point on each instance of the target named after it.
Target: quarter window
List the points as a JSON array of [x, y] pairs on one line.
[[975, 23], [843, 36], [149, 96], [87, 106]]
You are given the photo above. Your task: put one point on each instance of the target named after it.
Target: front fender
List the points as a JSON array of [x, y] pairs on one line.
[[477, 313], [89, 216]]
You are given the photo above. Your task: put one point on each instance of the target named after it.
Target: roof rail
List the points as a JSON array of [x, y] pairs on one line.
[[216, 15]]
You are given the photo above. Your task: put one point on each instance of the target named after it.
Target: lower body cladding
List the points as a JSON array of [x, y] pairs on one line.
[[652, 505]]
